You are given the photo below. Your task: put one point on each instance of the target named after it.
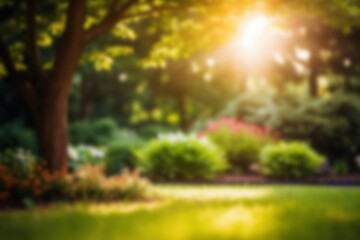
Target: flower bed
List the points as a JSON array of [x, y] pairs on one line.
[[23, 178]]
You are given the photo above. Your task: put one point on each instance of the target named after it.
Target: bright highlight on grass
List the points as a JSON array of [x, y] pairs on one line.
[[200, 212]]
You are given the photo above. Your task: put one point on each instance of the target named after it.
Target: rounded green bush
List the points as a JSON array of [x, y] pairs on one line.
[[104, 129], [241, 141], [178, 156], [241, 149], [294, 159], [120, 155]]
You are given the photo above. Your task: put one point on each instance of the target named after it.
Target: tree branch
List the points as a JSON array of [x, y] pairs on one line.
[[153, 11], [34, 50], [24, 87], [114, 6], [112, 17], [70, 45]]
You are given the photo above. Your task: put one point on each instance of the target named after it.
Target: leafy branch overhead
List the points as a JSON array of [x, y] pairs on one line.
[[42, 26]]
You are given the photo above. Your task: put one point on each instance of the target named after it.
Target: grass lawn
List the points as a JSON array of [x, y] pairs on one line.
[[200, 212]]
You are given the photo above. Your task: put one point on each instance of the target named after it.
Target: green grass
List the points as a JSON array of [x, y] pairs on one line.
[[200, 212]]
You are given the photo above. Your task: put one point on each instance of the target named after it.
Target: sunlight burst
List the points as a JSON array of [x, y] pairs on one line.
[[252, 31]]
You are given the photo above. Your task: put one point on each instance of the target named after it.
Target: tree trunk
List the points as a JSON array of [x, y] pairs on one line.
[[52, 133], [48, 101], [52, 111], [52, 117]]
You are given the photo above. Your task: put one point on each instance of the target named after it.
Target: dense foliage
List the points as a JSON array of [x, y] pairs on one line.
[[121, 155], [331, 125], [15, 135], [241, 141], [23, 177], [293, 159], [178, 156], [25, 180], [93, 132]]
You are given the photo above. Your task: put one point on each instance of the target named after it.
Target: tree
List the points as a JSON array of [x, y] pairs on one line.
[[46, 92], [43, 76]]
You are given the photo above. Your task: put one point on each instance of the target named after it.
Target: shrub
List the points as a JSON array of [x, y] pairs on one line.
[[120, 155], [149, 131], [22, 176], [95, 133], [104, 130], [14, 136], [19, 160], [241, 141], [331, 125], [294, 159], [23, 179], [84, 154], [340, 168], [90, 183], [178, 156], [81, 132]]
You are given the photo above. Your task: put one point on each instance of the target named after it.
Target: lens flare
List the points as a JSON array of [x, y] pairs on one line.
[[252, 30]]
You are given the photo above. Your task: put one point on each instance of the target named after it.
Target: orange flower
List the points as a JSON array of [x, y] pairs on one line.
[[4, 195], [47, 176], [126, 171], [3, 168], [37, 182], [136, 174], [37, 191], [26, 183]]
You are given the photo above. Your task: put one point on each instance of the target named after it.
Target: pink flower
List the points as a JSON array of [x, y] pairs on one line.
[[201, 134], [236, 126], [212, 126], [267, 130]]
